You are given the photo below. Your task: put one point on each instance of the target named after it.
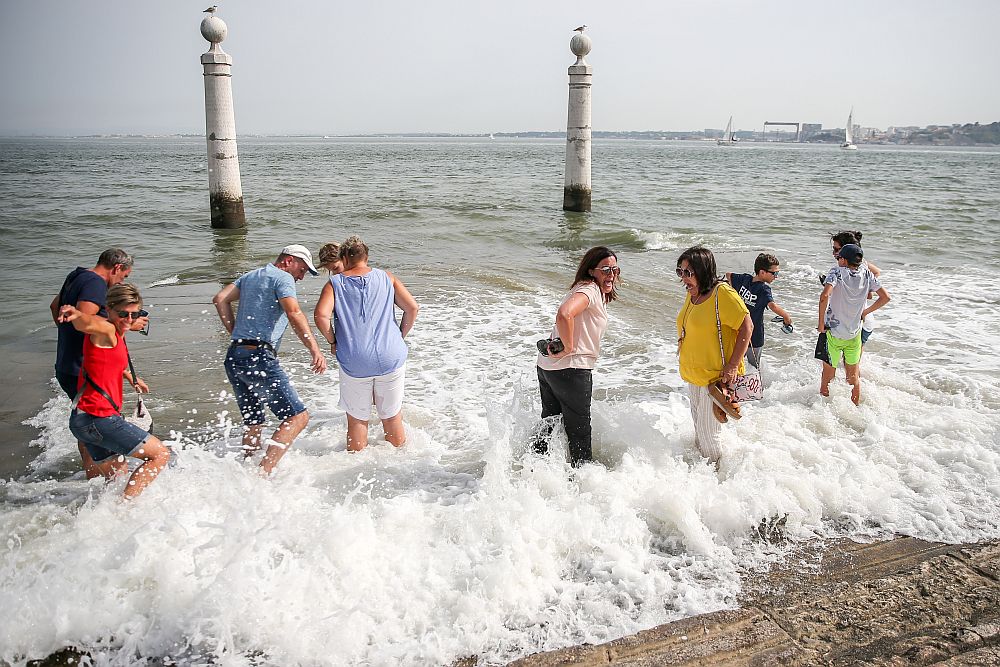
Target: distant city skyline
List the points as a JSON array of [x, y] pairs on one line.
[[318, 68]]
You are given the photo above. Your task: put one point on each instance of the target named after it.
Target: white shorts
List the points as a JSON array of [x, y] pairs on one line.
[[384, 391]]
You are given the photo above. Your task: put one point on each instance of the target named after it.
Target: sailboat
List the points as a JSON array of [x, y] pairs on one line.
[[727, 137], [849, 144]]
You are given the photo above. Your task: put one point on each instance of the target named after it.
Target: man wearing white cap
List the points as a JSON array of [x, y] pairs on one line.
[[268, 304]]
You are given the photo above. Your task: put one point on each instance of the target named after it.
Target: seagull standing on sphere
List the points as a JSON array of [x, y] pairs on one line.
[[580, 29], [211, 10]]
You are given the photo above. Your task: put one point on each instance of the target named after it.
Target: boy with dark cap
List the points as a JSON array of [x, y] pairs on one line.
[[841, 309]]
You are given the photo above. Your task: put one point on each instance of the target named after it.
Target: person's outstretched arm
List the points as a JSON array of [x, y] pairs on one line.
[[780, 311], [301, 327], [102, 333]]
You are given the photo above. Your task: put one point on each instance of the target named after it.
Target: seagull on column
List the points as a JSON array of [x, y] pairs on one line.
[[580, 29], [211, 10]]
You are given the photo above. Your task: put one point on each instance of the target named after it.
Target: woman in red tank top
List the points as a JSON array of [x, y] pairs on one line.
[[96, 421]]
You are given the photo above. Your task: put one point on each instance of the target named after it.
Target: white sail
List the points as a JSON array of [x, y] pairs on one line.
[[849, 133], [727, 136]]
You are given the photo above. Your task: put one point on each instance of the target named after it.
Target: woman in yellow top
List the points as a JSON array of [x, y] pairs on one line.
[[698, 332]]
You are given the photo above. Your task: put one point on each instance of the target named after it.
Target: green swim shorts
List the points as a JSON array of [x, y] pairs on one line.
[[851, 349]]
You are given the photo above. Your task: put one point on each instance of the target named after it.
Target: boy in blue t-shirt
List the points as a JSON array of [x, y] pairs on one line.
[[756, 292]]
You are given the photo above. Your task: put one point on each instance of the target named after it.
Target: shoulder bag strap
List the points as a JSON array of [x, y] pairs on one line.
[[131, 368], [98, 389], [718, 327]]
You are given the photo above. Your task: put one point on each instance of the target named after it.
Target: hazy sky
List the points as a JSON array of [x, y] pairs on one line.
[[336, 67]]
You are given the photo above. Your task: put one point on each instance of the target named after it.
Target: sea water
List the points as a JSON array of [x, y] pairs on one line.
[[463, 543]]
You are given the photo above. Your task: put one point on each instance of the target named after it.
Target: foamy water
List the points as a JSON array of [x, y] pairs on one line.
[[463, 543]]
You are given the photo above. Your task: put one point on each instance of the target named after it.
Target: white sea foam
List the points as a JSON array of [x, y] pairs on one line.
[[462, 543], [172, 280]]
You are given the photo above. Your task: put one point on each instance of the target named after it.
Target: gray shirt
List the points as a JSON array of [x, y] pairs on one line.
[[847, 301]]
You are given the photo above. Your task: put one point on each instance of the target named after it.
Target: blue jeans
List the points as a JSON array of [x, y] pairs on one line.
[[105, 437], [259, 382]]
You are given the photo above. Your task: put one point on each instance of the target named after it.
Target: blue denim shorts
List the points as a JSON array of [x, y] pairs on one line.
[[105, 437], [259, 382]]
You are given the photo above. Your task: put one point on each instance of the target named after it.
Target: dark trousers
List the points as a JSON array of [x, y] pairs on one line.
[[567, 393]]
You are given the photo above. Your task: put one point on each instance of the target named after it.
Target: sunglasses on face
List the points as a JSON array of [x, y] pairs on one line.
[[126, 315], [685, 273], [608, 270], [773, 273]]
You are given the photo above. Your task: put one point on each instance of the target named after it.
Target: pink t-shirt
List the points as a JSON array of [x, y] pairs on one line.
[[588, 329]]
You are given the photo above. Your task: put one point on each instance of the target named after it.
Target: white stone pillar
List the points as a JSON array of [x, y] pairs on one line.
[[576, 192], [225, 191]]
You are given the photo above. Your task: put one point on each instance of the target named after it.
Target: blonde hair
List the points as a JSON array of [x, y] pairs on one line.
[[353, 250], [330, 252], [123, 294]]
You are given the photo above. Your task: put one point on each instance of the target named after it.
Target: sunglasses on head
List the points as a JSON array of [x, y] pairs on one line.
[[126, 315]]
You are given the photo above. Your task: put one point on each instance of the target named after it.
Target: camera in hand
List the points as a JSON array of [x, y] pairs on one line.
[[549, 346]]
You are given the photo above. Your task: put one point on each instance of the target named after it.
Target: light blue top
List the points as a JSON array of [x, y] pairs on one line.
[[369, 342], [260, 316]]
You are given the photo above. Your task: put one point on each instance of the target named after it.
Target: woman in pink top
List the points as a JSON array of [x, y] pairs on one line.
[[565, 376]]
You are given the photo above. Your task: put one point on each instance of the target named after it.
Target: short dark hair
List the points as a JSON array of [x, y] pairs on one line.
[[843, 238], [590, 260], [702, 262], [764, 261], [112, 257]]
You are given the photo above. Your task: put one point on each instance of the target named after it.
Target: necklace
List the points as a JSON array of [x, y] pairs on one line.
[[687, 311]]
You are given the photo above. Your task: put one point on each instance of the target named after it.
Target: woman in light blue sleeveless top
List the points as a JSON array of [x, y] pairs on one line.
[[367, 341]]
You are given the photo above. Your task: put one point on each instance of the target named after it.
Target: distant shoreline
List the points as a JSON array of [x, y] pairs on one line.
[[969, 134]]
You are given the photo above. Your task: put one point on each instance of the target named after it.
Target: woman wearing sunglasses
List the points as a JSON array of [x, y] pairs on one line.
[[712, 311], [96, 419], [565, 374]]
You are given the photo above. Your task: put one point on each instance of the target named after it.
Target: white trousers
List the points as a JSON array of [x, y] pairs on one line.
[[707, 429]]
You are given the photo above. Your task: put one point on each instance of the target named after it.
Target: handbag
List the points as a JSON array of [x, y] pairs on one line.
[[748, 386], [139, 416]]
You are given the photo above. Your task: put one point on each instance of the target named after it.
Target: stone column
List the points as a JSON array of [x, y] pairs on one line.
[[576, 192], [225, 191]]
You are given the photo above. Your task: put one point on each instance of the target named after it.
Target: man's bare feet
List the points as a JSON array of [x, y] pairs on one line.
[[856, 394], [824, 390]]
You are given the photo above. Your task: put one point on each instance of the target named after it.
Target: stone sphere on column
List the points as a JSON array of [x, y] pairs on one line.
[[215, 30], [580, 45]]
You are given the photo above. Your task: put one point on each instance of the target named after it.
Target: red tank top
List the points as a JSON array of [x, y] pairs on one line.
[[105, 367]]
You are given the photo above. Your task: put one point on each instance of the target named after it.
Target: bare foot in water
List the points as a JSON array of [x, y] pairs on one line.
[[824, 390], [856, 394]]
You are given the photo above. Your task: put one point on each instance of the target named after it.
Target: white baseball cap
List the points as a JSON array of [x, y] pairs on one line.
[[300, 251]]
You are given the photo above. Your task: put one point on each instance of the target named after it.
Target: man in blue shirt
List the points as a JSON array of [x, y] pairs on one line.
[[268, 304], [86, 290], [756, 292]]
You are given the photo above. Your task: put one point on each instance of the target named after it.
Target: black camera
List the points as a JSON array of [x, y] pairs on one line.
[[549, 346]]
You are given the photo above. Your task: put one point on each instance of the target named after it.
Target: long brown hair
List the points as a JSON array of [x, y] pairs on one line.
[[702, 262], [590, 260]]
